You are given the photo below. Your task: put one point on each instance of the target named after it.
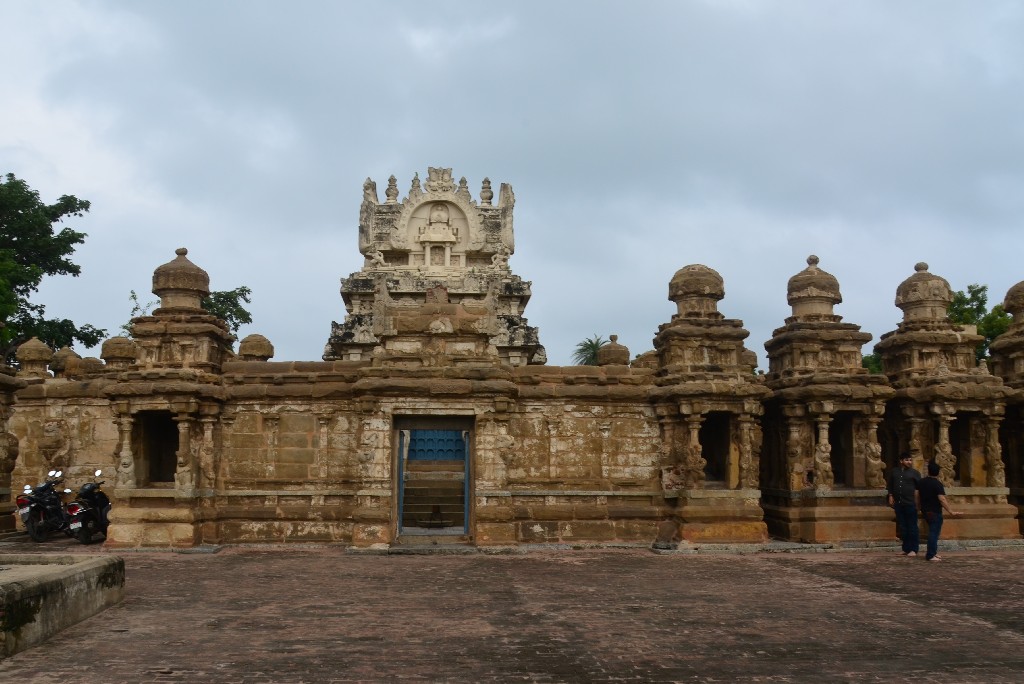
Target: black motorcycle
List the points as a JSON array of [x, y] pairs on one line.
[[42, 508], [89, 512]]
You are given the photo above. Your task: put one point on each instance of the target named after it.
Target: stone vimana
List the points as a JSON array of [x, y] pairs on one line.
[[433, 415]]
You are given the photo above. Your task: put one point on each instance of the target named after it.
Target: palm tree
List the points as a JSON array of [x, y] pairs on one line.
[[586, 351]]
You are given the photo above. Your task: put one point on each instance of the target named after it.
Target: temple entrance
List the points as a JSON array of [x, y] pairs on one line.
[[155, 442], [433, 469]]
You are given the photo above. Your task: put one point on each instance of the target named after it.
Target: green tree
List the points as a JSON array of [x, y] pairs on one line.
[[224, 304], [227, 306], [873, 362], [585, 353], [971, 308], [30, 249]]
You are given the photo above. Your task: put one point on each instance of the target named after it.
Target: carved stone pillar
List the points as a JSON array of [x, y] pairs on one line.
[[994, 453], [693, 462], [874, 467], [749, 452], [944, 451], [207, 455], [913, 437], [795, 465], [183, 475], [824, 478], [126, 459]]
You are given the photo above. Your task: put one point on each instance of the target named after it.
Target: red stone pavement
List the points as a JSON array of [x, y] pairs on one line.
[[324, 614]]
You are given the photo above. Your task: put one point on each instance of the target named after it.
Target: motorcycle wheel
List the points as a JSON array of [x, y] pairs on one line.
[[84, 532], [36, 527]]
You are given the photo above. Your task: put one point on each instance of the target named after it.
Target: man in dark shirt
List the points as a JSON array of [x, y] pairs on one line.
[[903, 498], [933, 500]]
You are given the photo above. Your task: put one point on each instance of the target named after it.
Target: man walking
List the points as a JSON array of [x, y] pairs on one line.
[[933, 501], [903, 497]]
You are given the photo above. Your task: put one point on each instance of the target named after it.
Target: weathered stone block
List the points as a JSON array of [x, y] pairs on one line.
[[538, 532], [296, 422], [494, 533]]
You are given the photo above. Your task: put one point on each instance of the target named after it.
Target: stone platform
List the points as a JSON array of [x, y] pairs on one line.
[[42, 594], [785, 613]]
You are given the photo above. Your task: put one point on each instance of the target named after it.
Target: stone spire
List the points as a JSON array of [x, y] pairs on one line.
[[926, 343], [814, 341]]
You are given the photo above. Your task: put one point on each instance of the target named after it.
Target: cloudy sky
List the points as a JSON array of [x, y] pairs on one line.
[[639, 137]]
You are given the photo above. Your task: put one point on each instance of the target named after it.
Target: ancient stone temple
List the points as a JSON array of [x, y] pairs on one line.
[[433, 417]]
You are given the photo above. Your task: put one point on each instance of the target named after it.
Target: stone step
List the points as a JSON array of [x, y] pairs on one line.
[[434, 466]]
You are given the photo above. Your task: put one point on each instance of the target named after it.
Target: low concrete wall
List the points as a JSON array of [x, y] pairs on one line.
[[42, 594]]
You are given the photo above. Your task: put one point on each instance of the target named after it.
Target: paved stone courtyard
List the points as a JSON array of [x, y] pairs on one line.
[[286, 614]]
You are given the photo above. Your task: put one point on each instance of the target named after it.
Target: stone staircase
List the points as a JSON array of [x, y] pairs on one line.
[[434, 496]]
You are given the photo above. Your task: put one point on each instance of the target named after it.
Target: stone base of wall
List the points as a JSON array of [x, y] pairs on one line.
[[829, 516], [726, 516], [981, 519]]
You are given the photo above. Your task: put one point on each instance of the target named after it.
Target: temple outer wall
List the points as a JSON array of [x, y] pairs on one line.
[[305, 452]]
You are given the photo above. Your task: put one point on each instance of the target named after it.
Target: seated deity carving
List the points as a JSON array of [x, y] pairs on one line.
[[439, 226], [500, 258], [377, 259]]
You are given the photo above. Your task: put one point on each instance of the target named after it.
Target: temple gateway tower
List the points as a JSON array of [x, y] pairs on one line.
[[438, 248]]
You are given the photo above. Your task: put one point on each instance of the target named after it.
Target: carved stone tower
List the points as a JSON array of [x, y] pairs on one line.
[[821, 458], [440, 249], [708, 402], [947, 407]]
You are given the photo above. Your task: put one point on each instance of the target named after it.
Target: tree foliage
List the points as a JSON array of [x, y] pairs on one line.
[[873, 362], [971, 308], [226, 305], [31, 249], [585, 353]]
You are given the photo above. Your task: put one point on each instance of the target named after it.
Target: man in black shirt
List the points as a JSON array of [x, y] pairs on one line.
[[933, 500], [903, 482]]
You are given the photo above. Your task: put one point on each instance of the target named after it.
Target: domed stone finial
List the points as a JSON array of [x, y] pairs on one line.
[[924, 296], [1013, 303], [613, 353], [180, 284], [33, 357], [696, 291], [119, 352], [255, 347], [813, 292]]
